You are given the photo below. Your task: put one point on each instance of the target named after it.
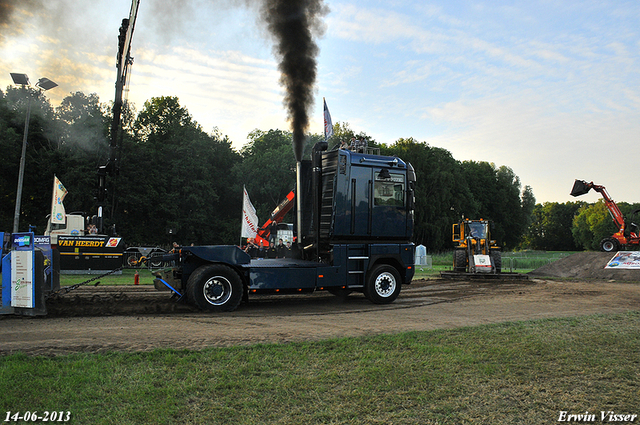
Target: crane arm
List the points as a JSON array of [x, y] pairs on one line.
[[277, 215], [581, 187], [123, 63]]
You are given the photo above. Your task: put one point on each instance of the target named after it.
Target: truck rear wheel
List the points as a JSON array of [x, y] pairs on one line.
[[215, 287], [383, 285]]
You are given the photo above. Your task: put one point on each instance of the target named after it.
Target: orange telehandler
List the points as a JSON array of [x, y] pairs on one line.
[[277, 215], [627, 233]]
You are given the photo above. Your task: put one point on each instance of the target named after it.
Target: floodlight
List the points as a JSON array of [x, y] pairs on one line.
[[46, 84], [20, 79]]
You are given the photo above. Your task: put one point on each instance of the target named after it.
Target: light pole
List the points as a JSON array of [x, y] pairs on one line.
[[43, 84]]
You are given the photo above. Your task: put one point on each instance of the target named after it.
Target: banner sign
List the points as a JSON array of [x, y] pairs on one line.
[[22, 276], [249, 218], [96, 253], [57, 208], [625, 260]]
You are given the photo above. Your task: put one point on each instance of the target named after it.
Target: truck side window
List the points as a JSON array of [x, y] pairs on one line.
[[389, 191]]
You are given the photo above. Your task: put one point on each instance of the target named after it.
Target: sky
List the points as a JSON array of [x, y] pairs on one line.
[[550, 89]]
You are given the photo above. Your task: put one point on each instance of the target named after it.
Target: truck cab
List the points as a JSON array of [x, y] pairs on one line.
[[74, 225], [356, 228]]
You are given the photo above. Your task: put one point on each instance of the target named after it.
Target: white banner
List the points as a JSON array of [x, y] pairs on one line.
[[249, 218], [58, 214], [625, 260]]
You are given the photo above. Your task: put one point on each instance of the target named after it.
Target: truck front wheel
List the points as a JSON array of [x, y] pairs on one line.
[[215, 288], [383, 285]]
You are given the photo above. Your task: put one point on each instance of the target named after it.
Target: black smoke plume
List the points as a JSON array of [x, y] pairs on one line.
[[294, 24], [7, 8]]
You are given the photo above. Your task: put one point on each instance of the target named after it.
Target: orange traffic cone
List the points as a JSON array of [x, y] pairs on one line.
[[136, 278]]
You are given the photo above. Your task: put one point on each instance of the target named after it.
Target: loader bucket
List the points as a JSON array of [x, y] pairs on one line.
[[580, 187]]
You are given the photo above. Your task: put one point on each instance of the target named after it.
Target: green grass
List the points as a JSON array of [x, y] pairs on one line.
[[514, 373], [517, 262], [126, 278]]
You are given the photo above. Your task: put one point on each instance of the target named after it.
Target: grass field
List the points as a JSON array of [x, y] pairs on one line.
[[516, 262], [514, 373]]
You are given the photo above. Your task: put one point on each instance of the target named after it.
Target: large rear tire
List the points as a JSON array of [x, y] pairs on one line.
[[609, 245], [383, 285], [215, 288]]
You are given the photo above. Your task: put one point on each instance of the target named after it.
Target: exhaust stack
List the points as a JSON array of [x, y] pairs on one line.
[[299, 201]]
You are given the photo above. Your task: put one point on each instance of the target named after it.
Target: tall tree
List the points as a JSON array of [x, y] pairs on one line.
[[551, 227], [180, 181], [591, 225], [497, 191], [268, 168], [442, 194], [42, 140], [82, 148]]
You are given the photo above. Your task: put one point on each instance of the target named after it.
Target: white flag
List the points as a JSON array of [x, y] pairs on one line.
[[328, 125], [58, 214], [249, 218]]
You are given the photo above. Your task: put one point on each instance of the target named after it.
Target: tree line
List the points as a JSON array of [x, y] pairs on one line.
[[178, 182]]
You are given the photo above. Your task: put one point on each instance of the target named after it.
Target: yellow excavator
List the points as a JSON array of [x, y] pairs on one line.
[[475, 252]]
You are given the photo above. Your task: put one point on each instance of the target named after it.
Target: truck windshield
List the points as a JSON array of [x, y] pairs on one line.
[[57, 226], [477, 230]]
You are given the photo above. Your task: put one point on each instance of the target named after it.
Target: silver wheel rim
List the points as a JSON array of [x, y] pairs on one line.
[[385, 284], [217, 290], [608, 246]]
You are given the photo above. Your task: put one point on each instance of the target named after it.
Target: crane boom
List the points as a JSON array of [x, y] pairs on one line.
[[277, 215], [123, 63], [627, 234], [581, 187]]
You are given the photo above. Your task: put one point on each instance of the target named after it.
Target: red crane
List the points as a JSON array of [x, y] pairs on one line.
[[627, 234]]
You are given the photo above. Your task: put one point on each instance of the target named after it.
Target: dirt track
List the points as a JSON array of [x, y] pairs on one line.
[[424, 305], [96, 319]]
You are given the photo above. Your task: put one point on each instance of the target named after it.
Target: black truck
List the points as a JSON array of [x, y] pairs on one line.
[[356, 223]]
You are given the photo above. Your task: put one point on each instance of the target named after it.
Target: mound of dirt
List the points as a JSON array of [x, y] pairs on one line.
[[586, 265]]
